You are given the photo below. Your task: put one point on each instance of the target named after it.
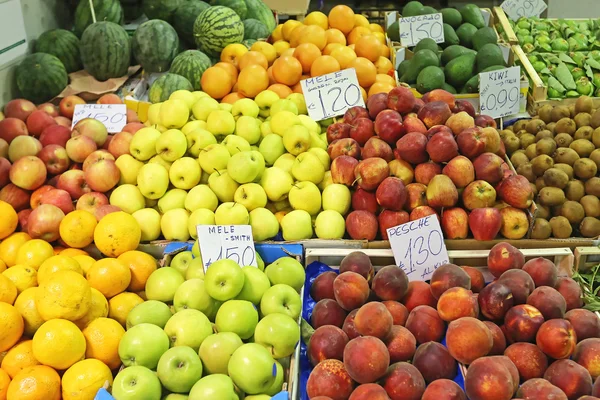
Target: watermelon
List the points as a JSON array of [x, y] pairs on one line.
[[161, 9], [260, 11], [254, 29], [105, 50], [249, 42], [62, 44], [155, 44], [105, 10], [191, 64], [215, 28], [239, 6], [40, 77], [185, 16], [162, 88]]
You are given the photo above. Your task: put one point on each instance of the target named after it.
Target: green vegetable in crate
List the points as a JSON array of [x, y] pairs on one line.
[[448, 88], [215, 28], [577, 73], [163, 87], [555, 88], [490, 54], [239, 6], [584, 86], [254, 29], [420, 60], [40, 77], [428, 10], [155, 45], [450, 36], [105, 50], [460, 70], [465, 34], [257, 9], [452, 17], [451, 52], [430, 78], [412, 8], [161, 9], [426, 43], [402, 67], [62, 44], [564, 76], [560, 45], [484, 36], [104, 10], [191, 64], [393, 31], [596, 79], [185, 16], [472, 14]]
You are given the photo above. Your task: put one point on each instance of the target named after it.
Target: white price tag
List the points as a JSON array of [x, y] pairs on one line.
[[234, 242], [419, 247], [414, 29], [113, 116], [516, 9], [332, 94], [499, 92]]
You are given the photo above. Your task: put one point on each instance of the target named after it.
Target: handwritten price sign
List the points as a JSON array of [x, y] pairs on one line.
[[516, 9], [332, 94], [113, 116], [233, 242], [419, 247], [414, 29], [499, 92]]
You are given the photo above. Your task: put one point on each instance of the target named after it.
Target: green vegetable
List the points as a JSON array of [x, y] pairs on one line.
[[577, 73], [572, 94], [554, 84], [564, 76], [560, 45], [412, 8], [584, 86]]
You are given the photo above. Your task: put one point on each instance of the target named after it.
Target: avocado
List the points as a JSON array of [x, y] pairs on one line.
[[490, 54], [412, 8], [453, 51], [426, 43], [465, 34], [428, 10], [402, 67], [448, 88], [472, 14], [430, 78], [420, 60], [393, 31], [452, 17], [460, 70], [472, 85], [484, 36], [450, 37]]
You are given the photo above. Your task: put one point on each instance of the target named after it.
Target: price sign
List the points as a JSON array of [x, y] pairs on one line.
[[234, 242], [414, 29], [499, 92], [332, 94], [113, 116], [516, 9], [419, 247]]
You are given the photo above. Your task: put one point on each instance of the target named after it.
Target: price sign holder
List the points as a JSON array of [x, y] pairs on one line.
[[113, 116], [516, 9], [499, 92], [414, 29], [332, 94], [419, 247], [234, 242]]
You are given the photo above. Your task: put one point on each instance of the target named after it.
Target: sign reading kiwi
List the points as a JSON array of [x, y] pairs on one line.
[[499, 92]]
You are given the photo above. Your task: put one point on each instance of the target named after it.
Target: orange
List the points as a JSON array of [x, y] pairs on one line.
[[77, 228], [216, 82], [363, 92], [102, 338], [252, 80], [335, 36], [383, 65], [8, 290], [9, 220], [22, 276], [277, 34], [232, 98], [33, 253], [141, 266], [270, 73], [357, 33], [385, 78], [344, 55], [2, 266], [365, 71], [83, 380], [110, 276], [280, 47], [85, 262], [4, 382], [380, 87], [234, 88], [368, 47], [253, 58], [376, 28], [288, 27], [288, 53], [341, 17], [98, 309], [306, 53], [352, 46], [11, 326], [58, 250], [380, 36], [232, 53], [57, 263], [313, 34], [73, 252], [385, 51], [58, 344], [324, 65], [265, 48], [297, 34], [297, 88], [282, 91], [361, 20], [287, 70], [230, 68], [25, 304], [39, 382], [317, 18], [19, 357], [120, 305], [119, 232], [65, 294], [331, 47]]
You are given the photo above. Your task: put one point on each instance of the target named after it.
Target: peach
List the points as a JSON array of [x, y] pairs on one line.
[[327, 342], [529, 359], [327, 312], [504, 256], [366, 359], [596, 388], [322, 286], [390, 283], [585, 323], [510, 366], [330, 379], [448, 276], [403, 381], [369, 391], [573, 379], [401, 344], [549, 301], [373, 319], [587, 354], [477, 280], [443, 389], [520, 284], [489, 379], [418, 294], [425, 324], [538, 388], [358, 262], [542, 271], [556, 338], [499, 339], [348, 325], [457, 302], [398, 310], [522, 323], [434, 362], [468, 339], [570, 290], [495, 300], [351, 290]]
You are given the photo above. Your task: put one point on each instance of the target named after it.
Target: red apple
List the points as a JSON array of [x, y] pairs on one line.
[[413, 124], [422, 212], [38, 121], [109, 98], [362, 225], [3, 148], [434, 113], [464, 105], [502, 150], [10, 128], [389, 219], [36, 196], [364, 200], [516, 191], [338, 130], [362, 130], [91, 128], [109, 139], [376, 104], [19, 108], [63, 121], [471, 143], [455, 223], [459, 122], [91, 201], [58, 198], [132, 116], [55, 159], [460, 170], [412, 147], [44, 221], [488, 167], [49, 109], [23, 146], [426, 171], [4, 168], [371, 172], [515, 223], [437, 128], [73, 181], [28, 173], [103, 210], [441, 192], [340, 147], [485, 223], [102, 175], [342, 170], [55, 134], [67, 105], [15, 196], [440, 95], [23, 217], [391, 194], [96, 156], [355, 113], [403, 170], [492, 139], [375, 147], [415, 196], [401, 99], [485, 121], [478, 194], [80, 147], [442, 147], [133, 127], [388, 126]]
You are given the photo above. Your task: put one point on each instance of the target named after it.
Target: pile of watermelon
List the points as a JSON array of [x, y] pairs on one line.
[[184, 37]]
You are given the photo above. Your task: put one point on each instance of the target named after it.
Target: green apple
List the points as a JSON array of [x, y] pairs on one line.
[[201, 216], [213, 157], [326, 122], [196, 249], [149, 221], [149, 312], [237, 316], [143, 143], [251, 368], [216, 350], [259, 396], [162, 284], [284, 105], [281, 299], [174, 114], [224, 279], [220, 123], [181, 262], [308, 167], [323, 137], [161, 161], [316, 142], [185, 173], [128, 198], [198, 139], [153, 180], [192, 126], [265, 128], [226, 107], [235, 144], [171, 145], [277, 183], [285, 162], [222, 185], [184, 95], [188, 327], [203, 107], [133, 383], [286, 271], [246, 166], [279, 333], [305, 196], [337, 197], [154, 114], [283, 121], [330, 224], [322, 156], [296, 225], [201, 196], [143, 345], [260, 262], [309, 123], [271, 147], [174, 198], [282, 205], [231, 214], [176, 396], [255, 285], [277, 384], [298, 99], [174, 224], [264, 224], [192, 295], [296, 139], [196, 269], [217, 386], [251, 196], [327, 180], [245, 107], [198, 94], [179, 368], [248, 128], [129, 168], [265, 101]]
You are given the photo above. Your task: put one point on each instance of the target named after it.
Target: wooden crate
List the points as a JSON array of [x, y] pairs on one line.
[[503, 20], [586, 257], [538, 90]]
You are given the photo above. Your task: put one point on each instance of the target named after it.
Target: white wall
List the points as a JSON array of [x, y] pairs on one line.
[[573, 8]]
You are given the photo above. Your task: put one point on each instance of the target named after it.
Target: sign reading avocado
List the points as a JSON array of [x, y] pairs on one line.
[[419, 247], [414, 29], [516, 9], [332, 94], [499, 92], [234, 242], [113, 116]]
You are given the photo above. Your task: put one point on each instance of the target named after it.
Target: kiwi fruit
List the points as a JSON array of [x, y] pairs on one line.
[[566, 155], [527, 171], [582, 119], [531, 151], [566, 168], [535, 125], [541, 229], [520, 125], [574, 190], [565, 125], [518, 158], [504, 133], [595, 122], [526, 139], [545, 146], [539, 183], [512, 144], [545, 113], [585, 168], [591, 205], [543, 134], [554, 177], [573, 211], [534, 189], [559, 112], [584, 104], [583, 147], [563, 139], [595, 157], [561, 228], [596, 137], [551, 126], [585, 132], [551, 196], [592, 186], [590, 227], [541, 163], [572, 110], [543, 211]]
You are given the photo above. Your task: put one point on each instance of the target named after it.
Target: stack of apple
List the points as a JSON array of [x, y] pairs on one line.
[[218, 335]]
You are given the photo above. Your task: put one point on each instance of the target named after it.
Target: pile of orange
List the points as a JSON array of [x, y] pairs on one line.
[[296, 50]]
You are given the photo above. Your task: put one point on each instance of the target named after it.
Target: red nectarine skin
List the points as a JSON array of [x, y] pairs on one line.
[[498, 337], [327, 312], [398, 310], [425, 324], [542, 271], [495, 300], [327, 342], [443, 389], [520, 284], [529, 360], [510, 366], [571, 291], [369, 391], [330, 378], [522, 323], [390, 283], [322, 286], [477, 279], [556, 338], [373, 319], [587, 354], [358, 262], [596, 388], [504, 256], [550, 303], [585, 323], [538, 388], [468, 339], [446, 277], [488, 379], [366, 359], [349, 327], [434, 362], [351, 290], [457, 302], [418, 294], [401, 344], [573, 379], [403, 381]]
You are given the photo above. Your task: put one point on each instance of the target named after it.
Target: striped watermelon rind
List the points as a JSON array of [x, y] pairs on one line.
[[185, 16], [62, 44], [249, 42], [105, 10], [40, 77], [155, 44], [215, 28], [257, 9], [254, 29], [239, 6], [105, 50], [163, 87], [191, 64], [161, 9]]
